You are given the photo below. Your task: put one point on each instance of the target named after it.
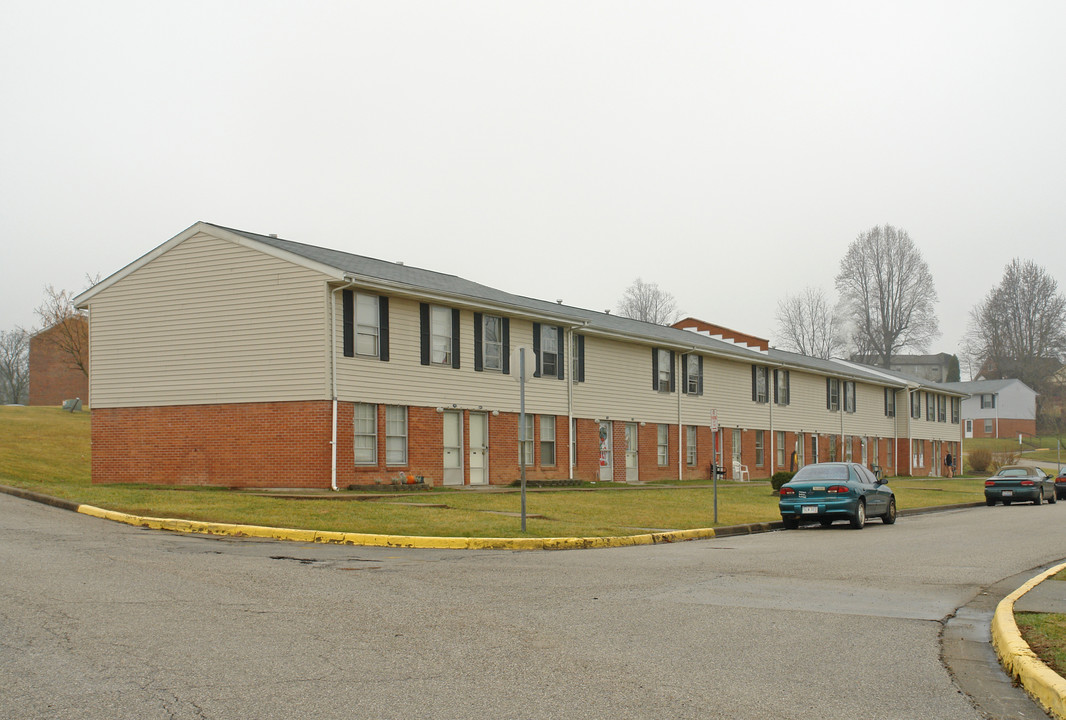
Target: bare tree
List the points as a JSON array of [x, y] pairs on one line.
[[808, 324], [1019, 329], [887, 291], [14, 366], [66, 327], [645, 301]]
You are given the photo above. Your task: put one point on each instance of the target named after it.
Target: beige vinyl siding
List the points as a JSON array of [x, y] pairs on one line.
[[618, 384], [210, 321], [403, 380], [869, 417]]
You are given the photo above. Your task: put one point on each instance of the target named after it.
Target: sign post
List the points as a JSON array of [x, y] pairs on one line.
[[714, 459], [518, 357]]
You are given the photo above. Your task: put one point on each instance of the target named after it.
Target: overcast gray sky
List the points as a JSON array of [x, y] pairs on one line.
[[729, 152]]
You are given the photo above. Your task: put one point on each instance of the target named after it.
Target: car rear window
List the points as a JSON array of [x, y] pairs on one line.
[[822, 472], [1014, 472]]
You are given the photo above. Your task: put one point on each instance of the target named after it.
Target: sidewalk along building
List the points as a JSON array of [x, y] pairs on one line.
[[997, 408], [225, 357]]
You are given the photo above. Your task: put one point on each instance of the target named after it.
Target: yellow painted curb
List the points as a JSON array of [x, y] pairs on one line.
[[410, 541], [1020, 662]]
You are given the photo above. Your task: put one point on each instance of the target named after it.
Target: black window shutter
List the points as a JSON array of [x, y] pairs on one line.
[[383, 328], [562, 352], [479, 361], [684, 374], [699, 371], [854, 398], [580, 369], [455, 338], [536, 348], [506, 337], [886, 401], [788, 388], [655, 369], [777, 390], [828, 395], [423, 330], [673, 370], [754, 384], [348, 311]]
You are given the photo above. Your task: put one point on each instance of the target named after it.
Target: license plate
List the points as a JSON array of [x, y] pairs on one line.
[[1008, 493], [809, 510]]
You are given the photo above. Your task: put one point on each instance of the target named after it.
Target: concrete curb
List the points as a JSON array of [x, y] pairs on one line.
[[409, 541], [414, 541], [1042, 683]]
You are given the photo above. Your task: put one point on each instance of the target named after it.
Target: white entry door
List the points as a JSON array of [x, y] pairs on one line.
[[606, 456], [453, 448], [479, 449], [632, 465]]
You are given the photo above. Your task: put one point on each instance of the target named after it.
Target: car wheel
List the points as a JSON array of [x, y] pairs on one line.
[[1039, 498], [1007, 502], [858, 520], [1052, 499], [825, 522], [989, 502], [889, 517], [790, 523]]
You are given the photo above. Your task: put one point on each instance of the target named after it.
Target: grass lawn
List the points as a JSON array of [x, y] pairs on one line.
[[1044, 448], [1046, 634], [47, 451]]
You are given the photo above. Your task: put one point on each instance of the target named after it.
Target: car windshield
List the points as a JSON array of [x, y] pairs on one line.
[[1014, 472], [822, 472]]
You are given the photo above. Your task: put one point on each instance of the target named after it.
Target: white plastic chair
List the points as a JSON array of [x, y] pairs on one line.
[[740, 472]]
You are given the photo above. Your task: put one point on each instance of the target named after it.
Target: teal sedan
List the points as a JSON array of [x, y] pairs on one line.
[[1018, 483], [836, 491]]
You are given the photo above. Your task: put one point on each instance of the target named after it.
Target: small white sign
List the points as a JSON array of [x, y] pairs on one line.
[[714, 421], [516, 362]]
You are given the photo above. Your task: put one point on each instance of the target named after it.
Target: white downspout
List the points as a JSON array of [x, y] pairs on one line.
[[333, 380], [570, 402], [680, 428], [895, 431], [910, 433]]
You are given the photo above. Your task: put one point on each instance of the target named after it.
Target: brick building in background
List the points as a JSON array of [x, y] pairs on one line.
[[54, 374]]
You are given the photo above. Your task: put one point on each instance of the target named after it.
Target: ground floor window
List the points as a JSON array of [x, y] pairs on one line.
[[759, 450], [395, 435], [847, 448], [780, 449], [525, 441], [547, 439], [832, 448], [663, 445], [366, 433], [690, 445]]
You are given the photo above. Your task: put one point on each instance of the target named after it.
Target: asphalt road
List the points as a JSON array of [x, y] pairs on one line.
[[101, 620]]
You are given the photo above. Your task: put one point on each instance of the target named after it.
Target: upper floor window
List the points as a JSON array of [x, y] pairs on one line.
[[548, 347], [439, 330], [890, 402], [988, 401], [760, 383], [955, 402], [491, 343], [693, 374], [930, 406], [662, 370], [916, 404], [941, 408], [782, 387], [365, 324], [577, 362], [832, 394], [849, 396]]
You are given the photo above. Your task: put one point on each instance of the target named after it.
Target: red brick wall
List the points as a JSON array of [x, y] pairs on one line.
[[53, 375], [234, 445], [1008, 427]]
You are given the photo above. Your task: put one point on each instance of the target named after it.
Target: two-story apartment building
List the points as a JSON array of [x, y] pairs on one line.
[[230, 358]]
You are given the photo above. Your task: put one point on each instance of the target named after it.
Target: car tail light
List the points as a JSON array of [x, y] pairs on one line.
[[989, 483], [837, 489], [1027, 483], [788, 491]]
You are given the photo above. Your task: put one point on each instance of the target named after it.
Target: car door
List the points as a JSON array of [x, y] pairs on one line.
[[876, 495]]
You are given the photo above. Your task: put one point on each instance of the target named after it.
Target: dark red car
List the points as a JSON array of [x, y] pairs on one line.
[[1060, 484]]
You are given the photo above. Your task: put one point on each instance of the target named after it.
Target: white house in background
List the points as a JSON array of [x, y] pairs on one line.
[[997, 408]]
